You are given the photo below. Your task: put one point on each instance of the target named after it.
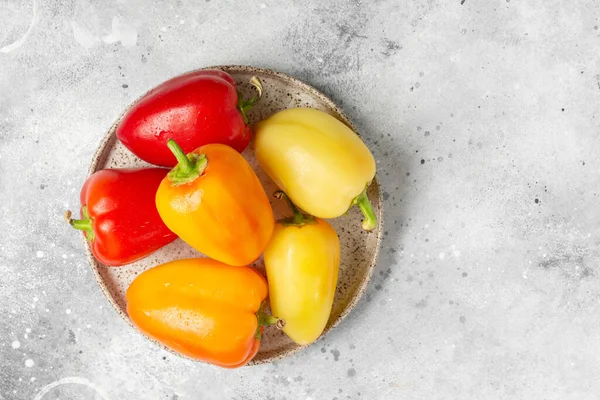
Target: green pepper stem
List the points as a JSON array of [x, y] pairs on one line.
[[86, 224], [244, 105], [362, 201], [297, 218], [188, 167], [266, 320], [185, 164], [81, 224]]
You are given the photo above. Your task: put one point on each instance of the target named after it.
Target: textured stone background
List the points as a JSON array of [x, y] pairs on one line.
[[483, 117]]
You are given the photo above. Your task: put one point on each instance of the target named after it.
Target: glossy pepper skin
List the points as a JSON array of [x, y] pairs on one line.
[[195, 109], [214, 201], [119, 216], [201, 308], [302, 263], [318, 161]]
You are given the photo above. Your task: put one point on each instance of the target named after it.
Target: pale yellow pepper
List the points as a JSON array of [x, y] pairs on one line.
[[302, 263], [318, 161]]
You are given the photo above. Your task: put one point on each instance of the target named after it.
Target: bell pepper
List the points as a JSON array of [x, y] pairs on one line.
[[119, 216], [195, 109], [202, 308], [214, 201], [318, 161], [302, 263]]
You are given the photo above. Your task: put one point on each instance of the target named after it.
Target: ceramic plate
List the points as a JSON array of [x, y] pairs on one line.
[[359, 248]]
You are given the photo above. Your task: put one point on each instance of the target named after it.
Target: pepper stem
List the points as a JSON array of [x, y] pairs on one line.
[[297, 218], [244, 105], [362, 201], [188, 167], [185, 164], [266, 320], [86, 224]]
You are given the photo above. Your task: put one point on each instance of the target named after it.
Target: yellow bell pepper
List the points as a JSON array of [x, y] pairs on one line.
[[302, 263], [318, 161]]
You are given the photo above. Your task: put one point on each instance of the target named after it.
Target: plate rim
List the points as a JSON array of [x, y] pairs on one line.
[[110, 136]]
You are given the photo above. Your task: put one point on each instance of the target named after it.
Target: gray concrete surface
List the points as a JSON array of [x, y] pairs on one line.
[[483, 117]]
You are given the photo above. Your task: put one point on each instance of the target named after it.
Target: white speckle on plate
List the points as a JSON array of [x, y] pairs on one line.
[[32, 379], [442, 256], [15, 344], [456, 253], [163, 29], [263, 5], [29, 363], [64, 256], [28, 330], [182, 21], [26, 336], [68, 311], [39, 254], [35, 299]]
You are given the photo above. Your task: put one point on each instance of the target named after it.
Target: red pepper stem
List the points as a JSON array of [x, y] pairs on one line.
[[362, 201], [86, 224], [81, 224], [188, 168], [244, 105]]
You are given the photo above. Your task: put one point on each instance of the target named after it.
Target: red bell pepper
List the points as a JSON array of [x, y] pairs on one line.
[[194, 109], [119, 215]]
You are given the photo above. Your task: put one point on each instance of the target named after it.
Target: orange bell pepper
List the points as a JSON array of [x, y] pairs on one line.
[[213, 200], [202, 308]]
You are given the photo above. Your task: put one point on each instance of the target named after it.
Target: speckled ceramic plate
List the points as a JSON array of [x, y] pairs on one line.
[[359, 248]]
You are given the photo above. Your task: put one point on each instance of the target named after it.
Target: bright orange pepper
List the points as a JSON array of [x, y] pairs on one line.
[[202, 308], [214, 201]]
